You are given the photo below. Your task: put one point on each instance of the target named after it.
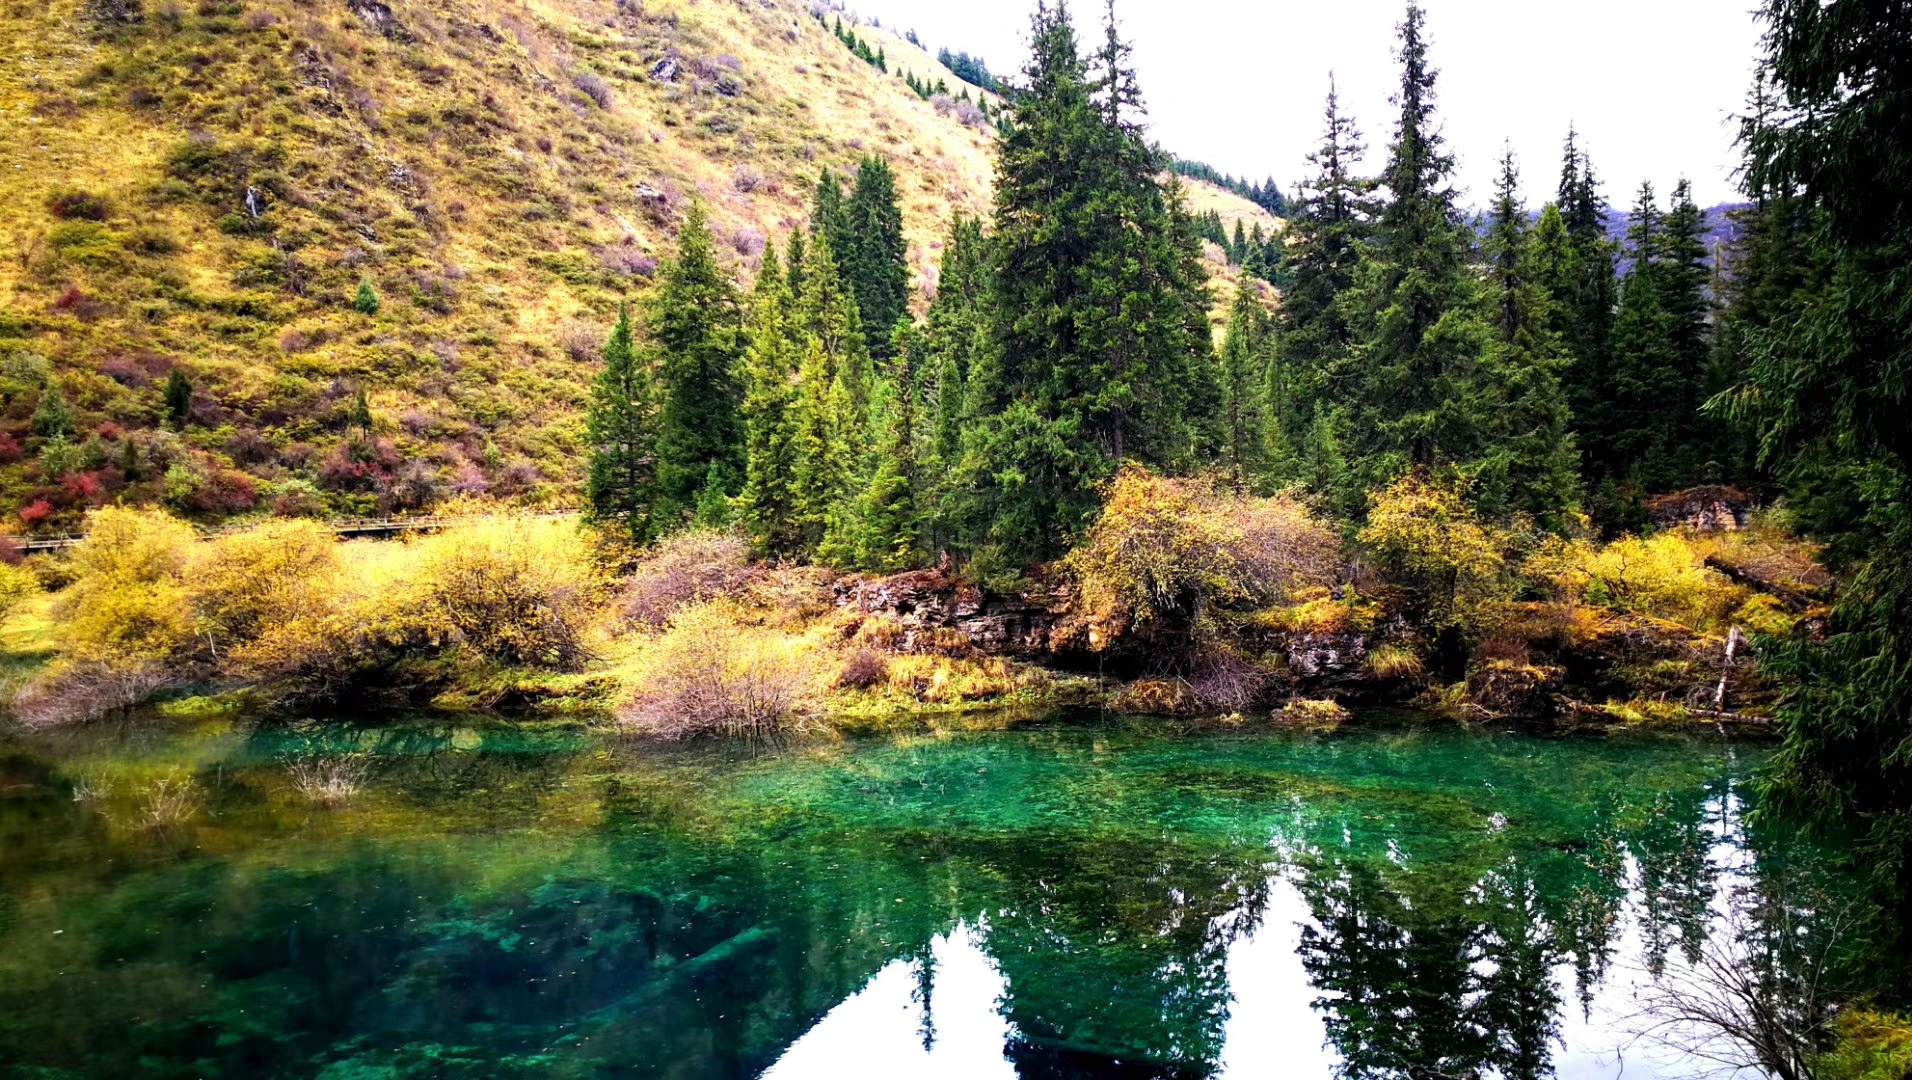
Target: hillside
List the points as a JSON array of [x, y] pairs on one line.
[[202, 189]]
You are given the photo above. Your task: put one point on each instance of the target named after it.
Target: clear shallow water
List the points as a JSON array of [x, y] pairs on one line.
[[1052, 902]]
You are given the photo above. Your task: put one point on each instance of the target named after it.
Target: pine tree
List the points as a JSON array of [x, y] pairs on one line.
[[767, 503], [1244, 377], [365, 302], [794, 261], [1327, 233], [619, 429], [1827, 381], [1423, 398], [1642, 391], [877, 266], [1238, 245], [889, 518], [179, 398], [833, 386], [1587, 298], [1536, 468], [694, 330], [1685, 279], [52, 417], [362, 414], [830, 220]]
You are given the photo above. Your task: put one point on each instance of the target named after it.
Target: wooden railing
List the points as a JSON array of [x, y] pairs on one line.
[[342, 526]]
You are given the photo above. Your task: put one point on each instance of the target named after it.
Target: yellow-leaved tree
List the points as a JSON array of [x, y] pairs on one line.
[[1427, 539]]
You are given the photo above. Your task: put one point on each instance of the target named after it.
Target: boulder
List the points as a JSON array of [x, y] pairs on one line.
[[1706, 509]]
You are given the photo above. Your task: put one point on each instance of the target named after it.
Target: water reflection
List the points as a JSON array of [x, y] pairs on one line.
[[1061, 903]]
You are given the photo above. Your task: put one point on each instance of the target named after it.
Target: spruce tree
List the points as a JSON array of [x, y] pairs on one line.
[[1097, 285], [833, 385], [179, 398], [767, 503], [362, 414], [1642, 390], [1828, 383], [877, 262], [694, 334], [1423, 398], [1238, 245], [365, 301], [830, 220], [1535, 466], [618, 427], [52, 417], [1587, 299], [1685, 281], [1244, 380], [1326, 236], [889, 518]]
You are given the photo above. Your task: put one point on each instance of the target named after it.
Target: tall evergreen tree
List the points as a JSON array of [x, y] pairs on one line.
[[888, 523], [1829, 382], [1244, 383], [1423, 398], [877, 266], [1326, 237], [695, 336], [830, 220], [767, 503], [1642, 389], [827, 417], [1587, 298], [618, 426], [1536, 465], [1685, 283], [1098, 288]]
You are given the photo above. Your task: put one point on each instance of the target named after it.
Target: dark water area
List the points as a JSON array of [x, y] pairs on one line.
[[1056, 901]]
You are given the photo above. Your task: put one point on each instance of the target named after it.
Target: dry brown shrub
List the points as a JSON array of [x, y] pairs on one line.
[[686, 568], [88, 690], [712, 673], [1154, 697], [864, 669], [329, 781]]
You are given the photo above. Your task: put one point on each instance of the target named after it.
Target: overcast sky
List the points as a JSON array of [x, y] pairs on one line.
[[1651, 85]]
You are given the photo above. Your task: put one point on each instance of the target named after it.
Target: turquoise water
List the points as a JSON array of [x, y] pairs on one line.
[[1060, 901]]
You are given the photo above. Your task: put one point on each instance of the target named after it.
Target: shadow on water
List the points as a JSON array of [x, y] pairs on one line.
[[1065, 900]]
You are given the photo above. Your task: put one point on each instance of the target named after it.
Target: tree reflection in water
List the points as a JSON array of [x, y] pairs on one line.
[[1060, 904]]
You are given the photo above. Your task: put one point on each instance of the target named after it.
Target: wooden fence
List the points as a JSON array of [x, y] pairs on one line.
[[378, 526]]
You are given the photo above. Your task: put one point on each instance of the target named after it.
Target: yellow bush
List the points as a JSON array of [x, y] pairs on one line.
[[1664, 576], [516, 590], [1429, 540], [1872, 1046], [129, 602], [1170, 548], [1394, 662], [245, 583], [17, 583], [1311, 714]]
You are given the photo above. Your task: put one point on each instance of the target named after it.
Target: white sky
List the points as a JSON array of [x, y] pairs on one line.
[[1650, 84]]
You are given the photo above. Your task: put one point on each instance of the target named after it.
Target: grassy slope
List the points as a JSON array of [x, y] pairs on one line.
[[445, 150], [452, 160]]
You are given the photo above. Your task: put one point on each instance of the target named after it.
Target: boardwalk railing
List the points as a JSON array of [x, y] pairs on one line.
[[375, 526]]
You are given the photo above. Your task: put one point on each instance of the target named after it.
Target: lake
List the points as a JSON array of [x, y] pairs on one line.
[[1069, 899]]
